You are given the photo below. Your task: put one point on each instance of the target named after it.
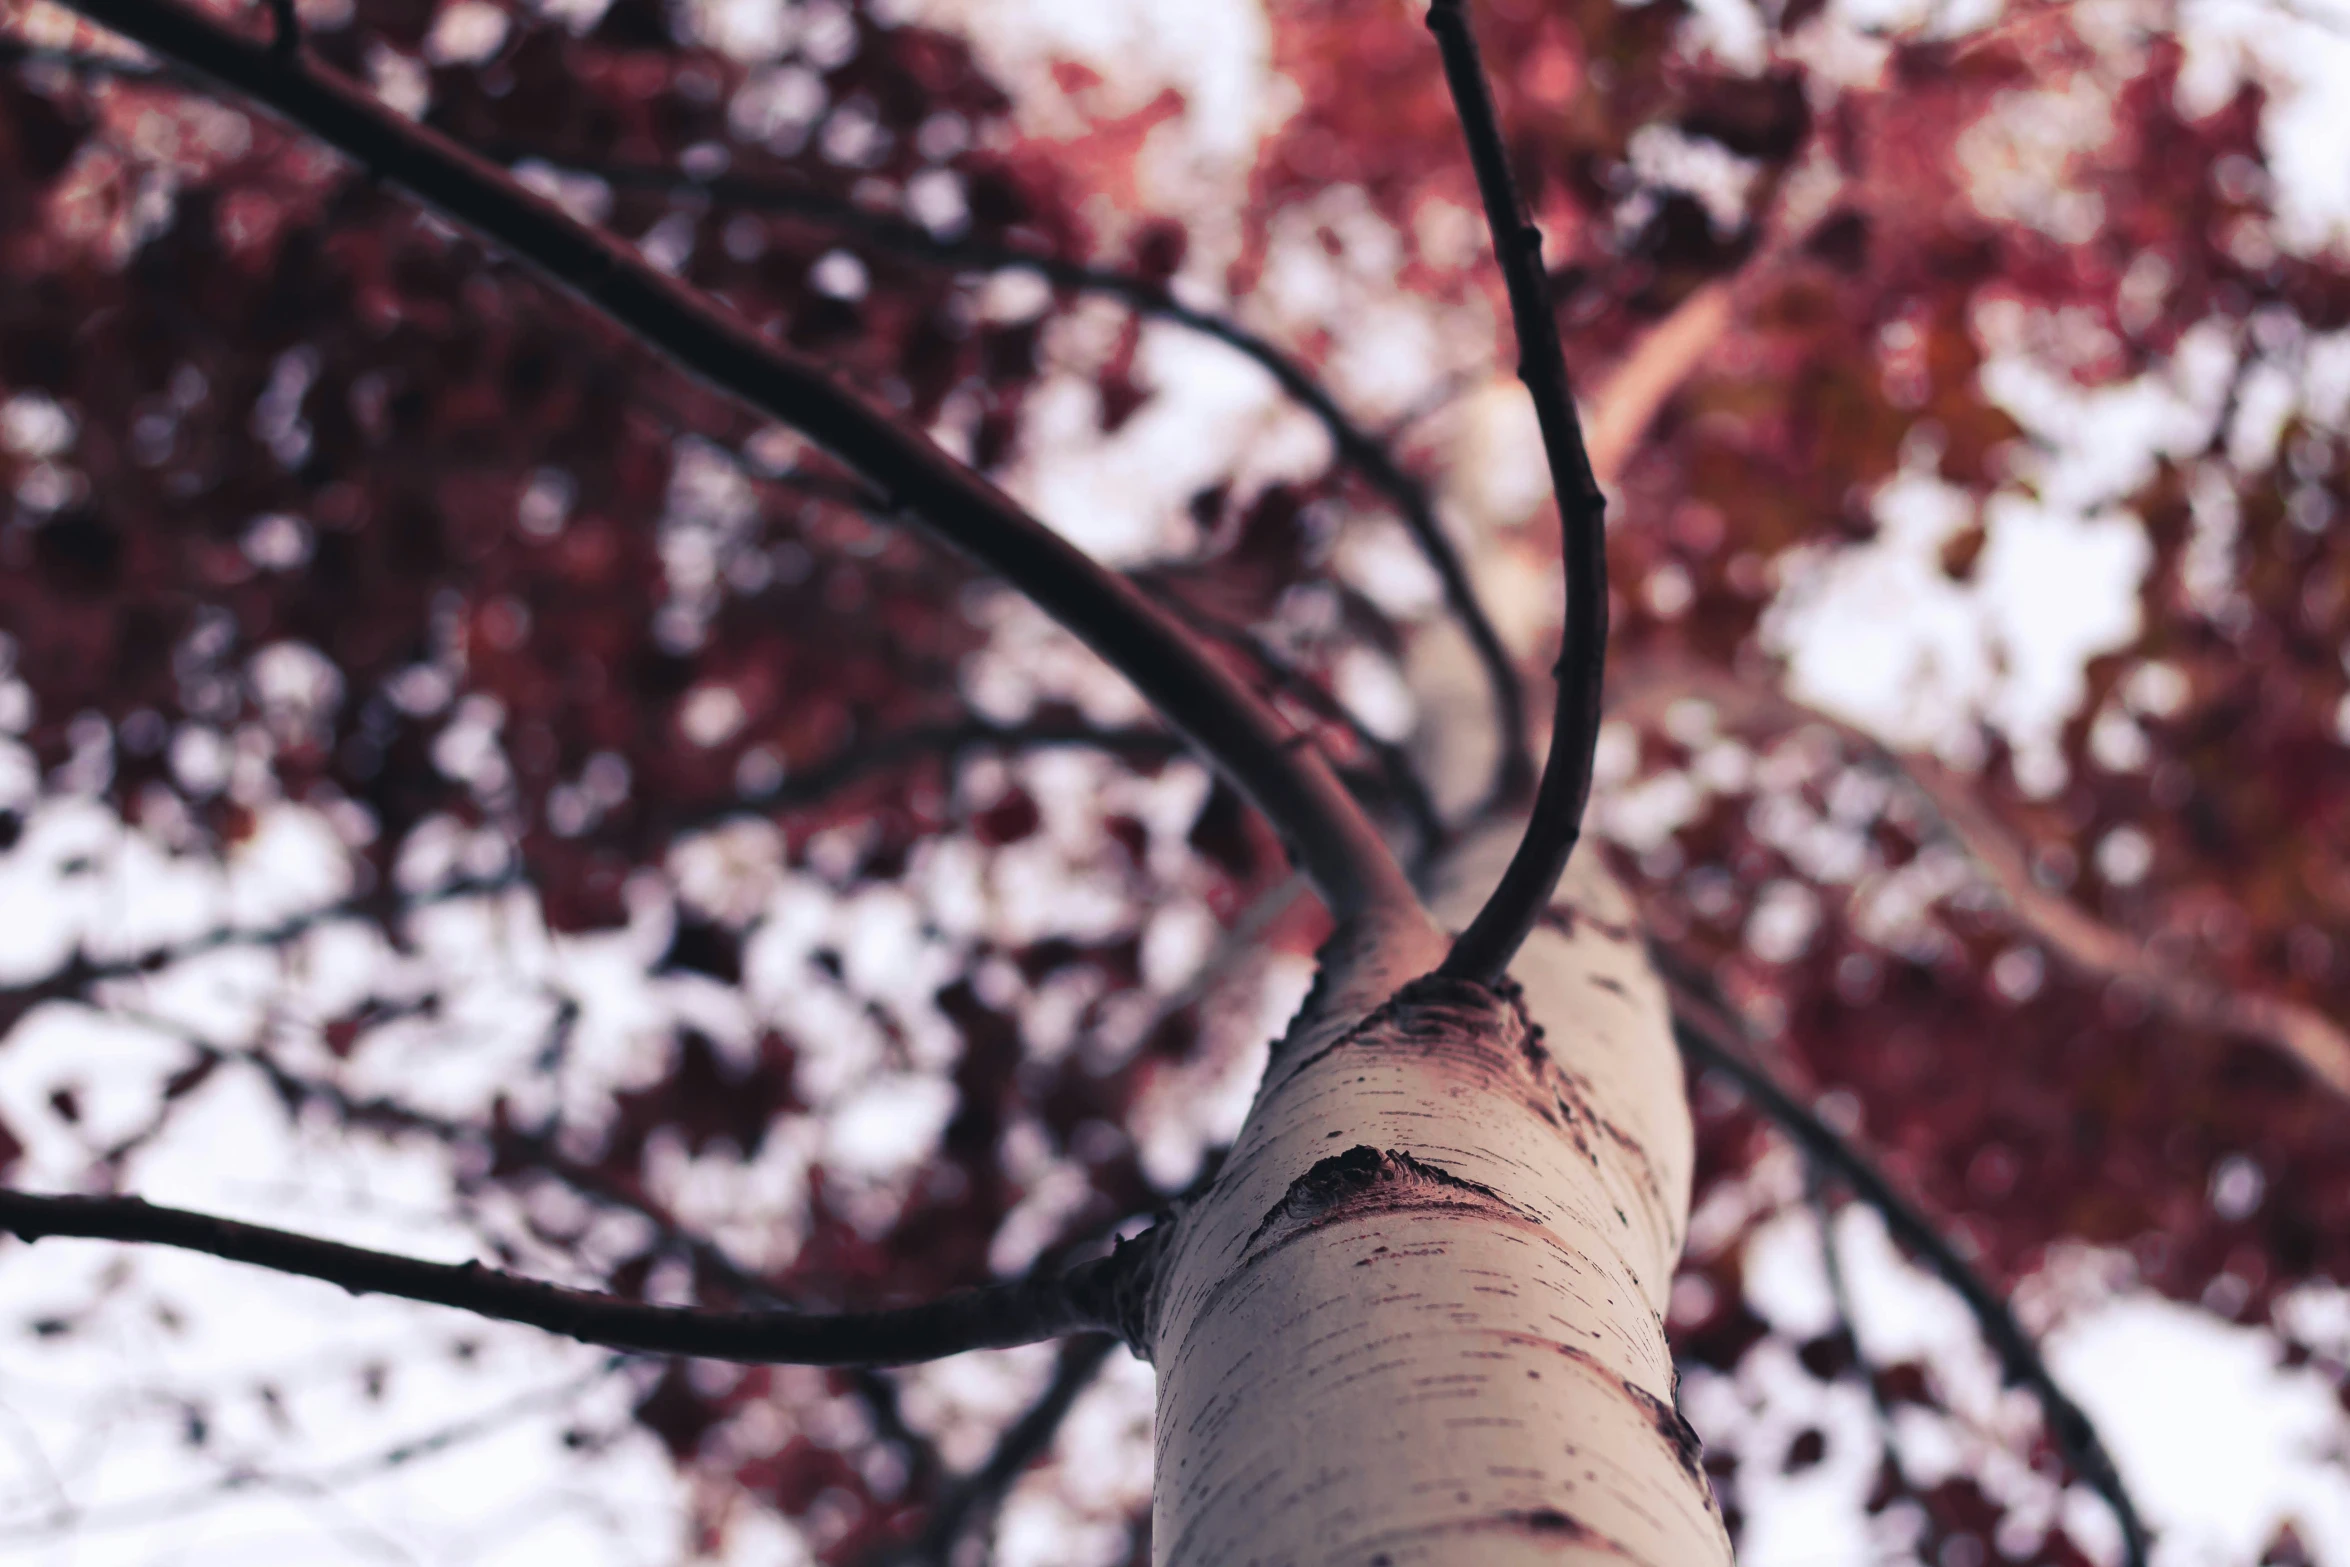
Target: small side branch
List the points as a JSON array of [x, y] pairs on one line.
[[1484, 950], [973, 1499], [1712, 1037], [1090, 1298], [1232, 726]]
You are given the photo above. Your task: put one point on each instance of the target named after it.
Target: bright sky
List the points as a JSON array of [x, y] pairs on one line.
[[95, 1467]]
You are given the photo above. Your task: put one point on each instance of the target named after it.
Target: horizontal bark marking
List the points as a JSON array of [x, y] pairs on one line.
[[1365, 1181], [1429, 1012], [1547, 1525]]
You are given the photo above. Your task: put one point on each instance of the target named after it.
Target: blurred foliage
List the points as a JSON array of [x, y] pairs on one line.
[[315, 502]]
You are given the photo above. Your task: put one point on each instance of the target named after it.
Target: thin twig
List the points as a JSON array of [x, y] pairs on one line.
[[1484, 950], [1714, 1037], [1394, 766], [544, 1154], [80, 973], [1086, 1299], [1232, 727], [286, 29], [1816, 1177], [798, 790], [1355, 447], [169, 1507], [972, 1500], [795, 791]]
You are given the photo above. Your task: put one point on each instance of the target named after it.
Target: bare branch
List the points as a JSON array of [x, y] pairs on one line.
[[544, 1153], [78, 975], [1089, 1298], [1484, 950], [1355, 447], [1815, 1187], [1394, 766], [972, 1500], [1715, 1038], [1337, 845], [65, 1519]]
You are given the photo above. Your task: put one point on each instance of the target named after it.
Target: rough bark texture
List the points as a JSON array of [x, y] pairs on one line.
[[1419, 1318]]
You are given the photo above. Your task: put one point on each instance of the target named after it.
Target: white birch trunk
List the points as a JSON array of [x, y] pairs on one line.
[[1419, 1318]]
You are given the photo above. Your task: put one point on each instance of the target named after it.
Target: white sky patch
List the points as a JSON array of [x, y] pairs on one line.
[[1217, 53], [509, 1491], [1121, 497], [2304, 133], [1879, 634], [466, 33], [2224, 1445], [1075, 1509]]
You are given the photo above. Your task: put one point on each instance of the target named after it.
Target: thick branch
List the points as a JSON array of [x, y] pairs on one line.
[[1493, 937], [1337, 845], [1083, 1300], [1355, 447], [1713, 1038]]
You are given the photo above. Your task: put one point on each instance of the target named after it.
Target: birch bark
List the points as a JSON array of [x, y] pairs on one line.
[[1418, 1320]]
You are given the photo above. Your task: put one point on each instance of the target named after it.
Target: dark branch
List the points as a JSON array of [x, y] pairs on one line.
[[542, 1151], [1337, 845], [1090, 1298], [1713, 1037], [972, 1500], [1355, 447], [1395, 769], [285, 29], [1484, 950]]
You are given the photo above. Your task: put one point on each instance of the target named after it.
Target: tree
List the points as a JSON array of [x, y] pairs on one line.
[[334, 520]]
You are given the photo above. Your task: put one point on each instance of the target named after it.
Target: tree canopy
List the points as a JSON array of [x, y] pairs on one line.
[[472, 787]]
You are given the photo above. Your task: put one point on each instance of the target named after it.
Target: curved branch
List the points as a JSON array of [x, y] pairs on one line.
[[1393, 765], [1713, 1037], [1354, 446], [1365, 451], [1086, 1299], [1494, 936], [1332, 838]]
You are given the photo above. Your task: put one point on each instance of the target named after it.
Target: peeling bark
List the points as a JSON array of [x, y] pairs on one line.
[[1419, 1318]]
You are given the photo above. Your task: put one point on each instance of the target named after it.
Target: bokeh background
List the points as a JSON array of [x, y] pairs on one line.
[[466, 789]]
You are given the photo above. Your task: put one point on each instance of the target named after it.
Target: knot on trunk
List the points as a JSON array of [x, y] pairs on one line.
[[1117, 1290], [1362, 1181]]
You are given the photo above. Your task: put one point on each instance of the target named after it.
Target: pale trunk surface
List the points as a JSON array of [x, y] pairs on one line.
[[1419, 1319]]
